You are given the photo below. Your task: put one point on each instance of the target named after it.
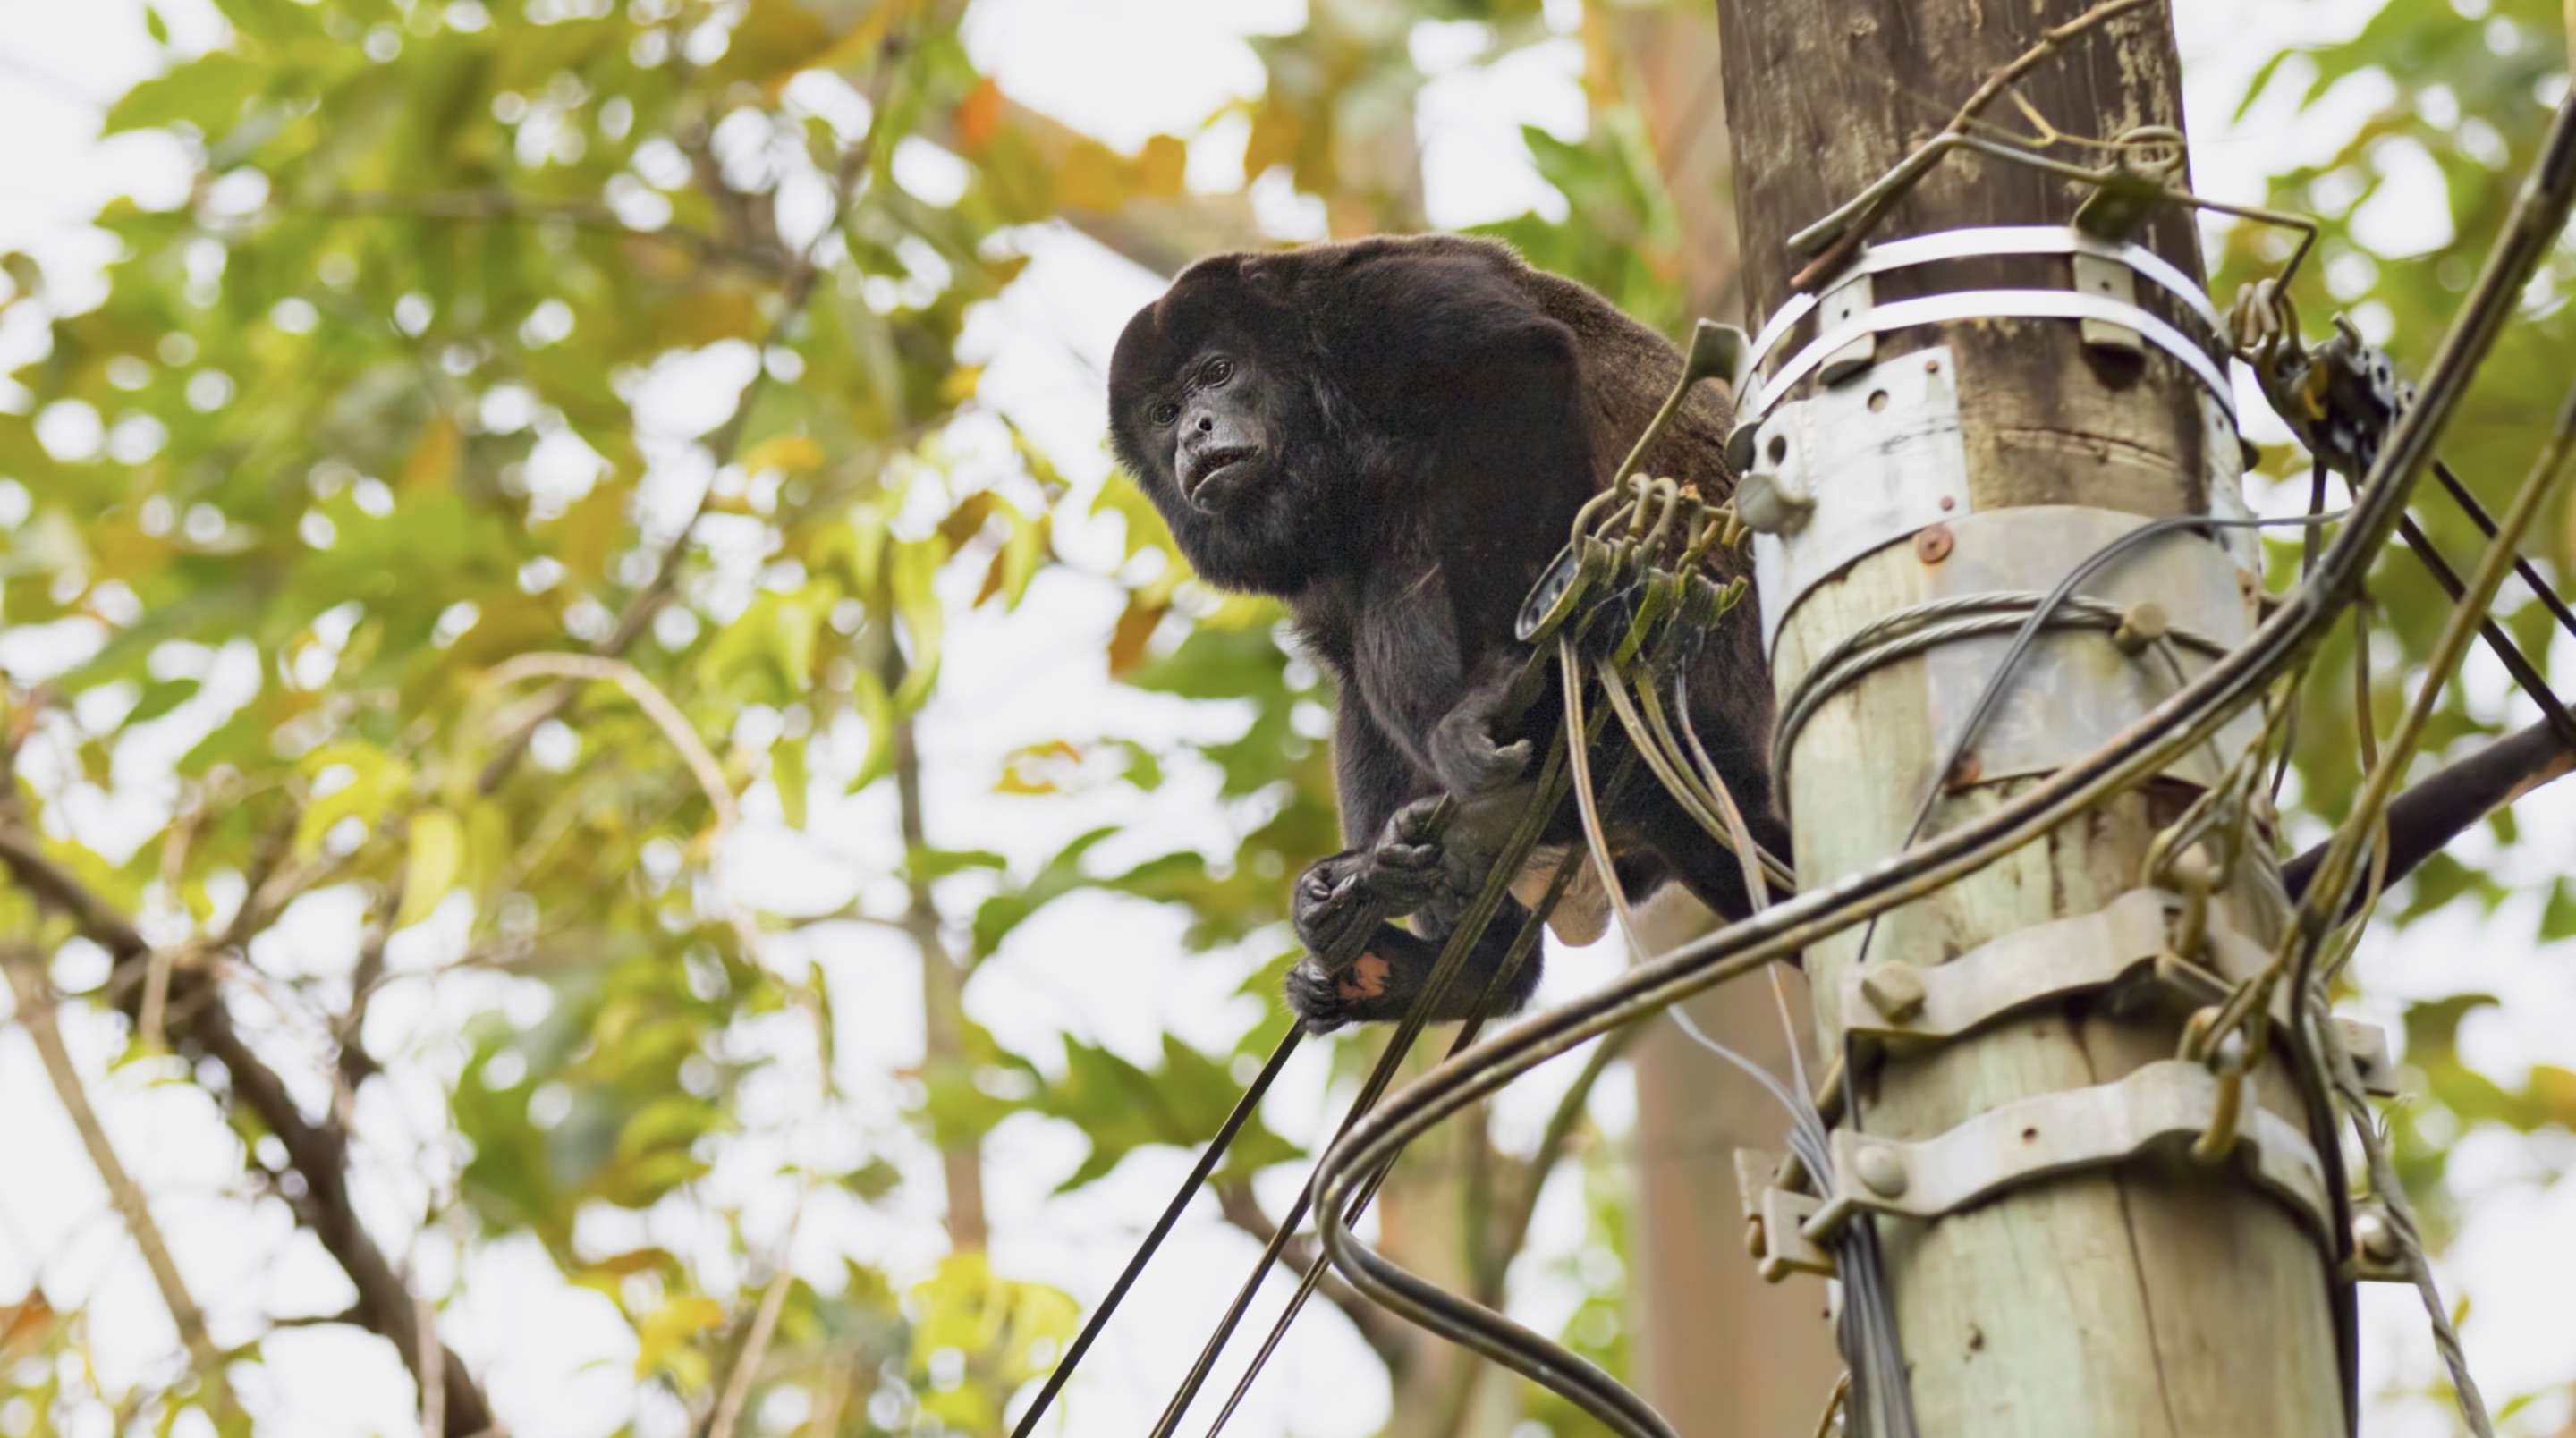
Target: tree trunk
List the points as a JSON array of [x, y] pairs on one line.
[[1719, 1352]]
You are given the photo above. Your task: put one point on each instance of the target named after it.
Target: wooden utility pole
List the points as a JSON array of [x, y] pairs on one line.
[[2148, 1294]]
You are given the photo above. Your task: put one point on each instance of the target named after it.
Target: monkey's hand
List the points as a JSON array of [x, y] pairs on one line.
[[1406, 870], [1470, 764]]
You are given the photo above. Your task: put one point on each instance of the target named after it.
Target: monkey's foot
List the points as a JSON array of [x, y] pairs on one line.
[[1325, 1001]]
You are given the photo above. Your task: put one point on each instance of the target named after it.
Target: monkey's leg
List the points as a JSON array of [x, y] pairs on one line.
[[1706, 867]]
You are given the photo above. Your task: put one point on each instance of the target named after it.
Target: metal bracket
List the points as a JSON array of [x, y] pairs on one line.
[[2128, 940], [1846, 307], [2072, 691], [1775, 1219], [1961, 305], [2100, 275], [2006, 1147], [1879, 258], [1863, 466], [2367, 1045], [1897, 1000]]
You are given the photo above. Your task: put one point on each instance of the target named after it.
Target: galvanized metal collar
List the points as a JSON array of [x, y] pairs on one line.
[[1762, 394], [1988, 240]]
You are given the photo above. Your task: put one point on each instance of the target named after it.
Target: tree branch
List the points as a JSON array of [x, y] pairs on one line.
[[53, 886], [318, 1150]]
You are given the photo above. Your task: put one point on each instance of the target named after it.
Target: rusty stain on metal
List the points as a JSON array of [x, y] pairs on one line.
[[1932, 543]]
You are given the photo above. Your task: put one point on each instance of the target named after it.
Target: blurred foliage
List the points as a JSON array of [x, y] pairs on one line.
[[386, 407], [2452, 104]]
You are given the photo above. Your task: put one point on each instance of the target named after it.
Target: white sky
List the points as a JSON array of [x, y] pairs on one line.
[[554, 1361]]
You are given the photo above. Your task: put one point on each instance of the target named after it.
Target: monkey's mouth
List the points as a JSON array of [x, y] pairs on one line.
[[1218, 477]]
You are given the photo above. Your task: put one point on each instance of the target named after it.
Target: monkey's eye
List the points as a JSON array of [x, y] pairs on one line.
[[1219, 371], [1164, 413]]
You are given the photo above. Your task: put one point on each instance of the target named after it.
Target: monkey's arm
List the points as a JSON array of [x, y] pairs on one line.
[[2431, 814], [1402, 869]]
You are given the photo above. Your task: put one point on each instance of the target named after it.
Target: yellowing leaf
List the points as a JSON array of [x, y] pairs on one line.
[[1160, 167], [357, 781], [1093, 177], [774, 40], [978, 114], [1135, 627], [671, 1325], [1025, 771], [437, 857], [433, 460], [704, 317], [785, 452]]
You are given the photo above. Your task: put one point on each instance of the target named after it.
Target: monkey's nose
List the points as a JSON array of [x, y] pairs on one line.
[[1207, 424]]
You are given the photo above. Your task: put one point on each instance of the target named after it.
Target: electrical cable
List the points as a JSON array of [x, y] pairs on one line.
[[1199, 1172]]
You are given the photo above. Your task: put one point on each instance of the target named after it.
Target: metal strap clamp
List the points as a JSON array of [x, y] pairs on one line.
[[2170, 1100]]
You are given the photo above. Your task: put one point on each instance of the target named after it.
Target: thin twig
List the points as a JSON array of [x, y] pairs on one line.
[[36, 1010], [433, 1363], [2003, 78], [756, 1346], [648, 696], [2049, 41], [500, 204], [675, 727]]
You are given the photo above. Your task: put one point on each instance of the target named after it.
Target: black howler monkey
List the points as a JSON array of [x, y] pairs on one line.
[[1393, 435]]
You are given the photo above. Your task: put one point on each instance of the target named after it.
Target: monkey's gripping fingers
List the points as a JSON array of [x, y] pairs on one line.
[[1331, 903], [1470, 764], [1410, 867]]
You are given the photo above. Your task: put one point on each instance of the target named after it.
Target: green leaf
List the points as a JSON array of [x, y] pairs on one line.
[[674, 1323], [775, 39], [1121, 1107], [207, 92], [787, 774], [911, 577], [876, 710], [997, 916], [159, 699], [365, 779], [929, 863], [2558, 920]]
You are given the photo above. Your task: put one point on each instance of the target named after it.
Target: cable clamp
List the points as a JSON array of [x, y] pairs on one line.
[[2168, 1103], [1776, 1213], [2130, 941]]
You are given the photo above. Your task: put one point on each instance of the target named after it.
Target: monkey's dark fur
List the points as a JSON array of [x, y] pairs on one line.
[[1393, 435]]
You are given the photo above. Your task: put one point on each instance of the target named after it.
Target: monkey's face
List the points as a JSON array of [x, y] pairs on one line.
[[1216, 415], [1211, 420]]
